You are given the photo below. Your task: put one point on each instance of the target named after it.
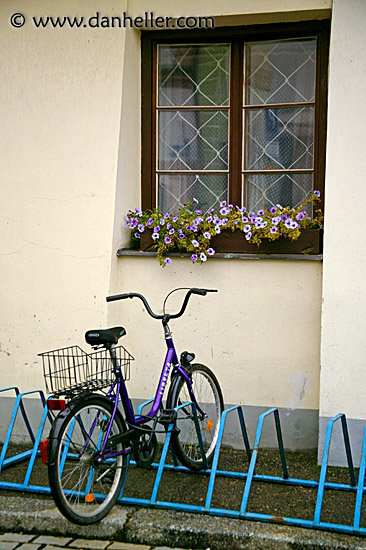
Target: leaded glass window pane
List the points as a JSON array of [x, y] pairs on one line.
[[192, 124], [280, 138], [281, 72], [193, 75], [265, 191], [279, 82], [193, 140], [175, 190]]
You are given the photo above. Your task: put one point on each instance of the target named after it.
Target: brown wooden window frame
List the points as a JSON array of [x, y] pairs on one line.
[[237, 37]]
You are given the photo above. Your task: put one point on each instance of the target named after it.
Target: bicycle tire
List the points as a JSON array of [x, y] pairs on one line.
[[208, 394], [83, 490]]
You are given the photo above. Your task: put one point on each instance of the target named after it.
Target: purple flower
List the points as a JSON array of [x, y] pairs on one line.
[[258, 219], [168, 261], [276, 220], [288, 223], [134, 222], [284, 217], [279, 206], [141, 227], [167, 240], [138, 212], [291, 224], [222, 203], [203, 256], [248, 236], [168, 225], [207, 235], [317, 194], [195, 243], [155, 236], [273, 210], [198, 212], [231, 206], [175, 219], [224, 211], [217, 229], [137, 235], [210, 251], [194, 257], [171, 231], [195, 200], [247, 228], [264, 224], [166, 216], [273, 229], [260, 212], [149, 221], [300, 216], [181, 236], [162, 222], [157, 229], [224, 221], [244, 219], [252, 214], [209, 219]]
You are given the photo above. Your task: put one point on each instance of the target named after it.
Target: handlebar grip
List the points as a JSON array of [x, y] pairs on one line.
[[118, 297], [202, 291]]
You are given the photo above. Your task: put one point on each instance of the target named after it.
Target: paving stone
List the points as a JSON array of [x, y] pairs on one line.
[[127, 546], [15, 537], [166, 548], [29, 546], [53, 541], [92, 544], [8, 545]]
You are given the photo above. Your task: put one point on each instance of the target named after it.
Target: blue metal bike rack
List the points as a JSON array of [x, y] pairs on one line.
[[31, 453], [356, 486]]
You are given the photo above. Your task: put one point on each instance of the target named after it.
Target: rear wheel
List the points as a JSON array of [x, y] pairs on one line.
[[84, 489], [209, 398]]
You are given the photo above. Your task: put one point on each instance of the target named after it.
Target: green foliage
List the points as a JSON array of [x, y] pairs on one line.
[[189, 230]]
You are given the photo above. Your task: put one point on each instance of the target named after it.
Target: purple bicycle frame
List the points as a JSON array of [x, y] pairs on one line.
[[171, 359]]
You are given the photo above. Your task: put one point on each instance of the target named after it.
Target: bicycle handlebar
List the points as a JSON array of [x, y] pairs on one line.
[[165, 317]]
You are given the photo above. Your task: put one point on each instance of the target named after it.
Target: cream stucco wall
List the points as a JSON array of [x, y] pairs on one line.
[[70, 169], [260, 333], [343, 350], [61, 93]]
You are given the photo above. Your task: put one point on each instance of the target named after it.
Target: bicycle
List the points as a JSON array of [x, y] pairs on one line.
[[90, 441]]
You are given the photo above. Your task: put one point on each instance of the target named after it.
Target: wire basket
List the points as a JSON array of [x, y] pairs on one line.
[[69, 371]]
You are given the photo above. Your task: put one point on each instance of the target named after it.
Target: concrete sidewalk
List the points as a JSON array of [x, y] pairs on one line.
[[156, 528]]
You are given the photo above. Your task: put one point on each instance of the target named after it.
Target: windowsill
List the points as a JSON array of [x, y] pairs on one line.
[[122, 252]]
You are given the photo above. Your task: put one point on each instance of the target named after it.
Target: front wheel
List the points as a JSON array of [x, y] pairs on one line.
[[209, 398], [83, 488]]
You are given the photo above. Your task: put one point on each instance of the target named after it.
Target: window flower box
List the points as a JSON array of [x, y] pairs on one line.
[[281, 230], [310, 241]]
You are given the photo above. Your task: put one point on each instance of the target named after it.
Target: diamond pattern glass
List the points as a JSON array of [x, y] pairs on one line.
[[280, 138], [281, 72], [193, 75], [175, 190], [193, 140], [265, 191]]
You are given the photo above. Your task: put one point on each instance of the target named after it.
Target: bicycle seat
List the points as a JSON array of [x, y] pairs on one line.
[[98, 337]]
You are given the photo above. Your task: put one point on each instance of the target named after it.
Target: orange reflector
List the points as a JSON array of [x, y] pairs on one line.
[[90, 497], [209, 425]]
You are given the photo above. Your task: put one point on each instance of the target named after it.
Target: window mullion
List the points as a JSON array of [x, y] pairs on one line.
[[235, 126]]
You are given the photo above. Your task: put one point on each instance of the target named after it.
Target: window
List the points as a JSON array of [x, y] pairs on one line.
[[236, 114]]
